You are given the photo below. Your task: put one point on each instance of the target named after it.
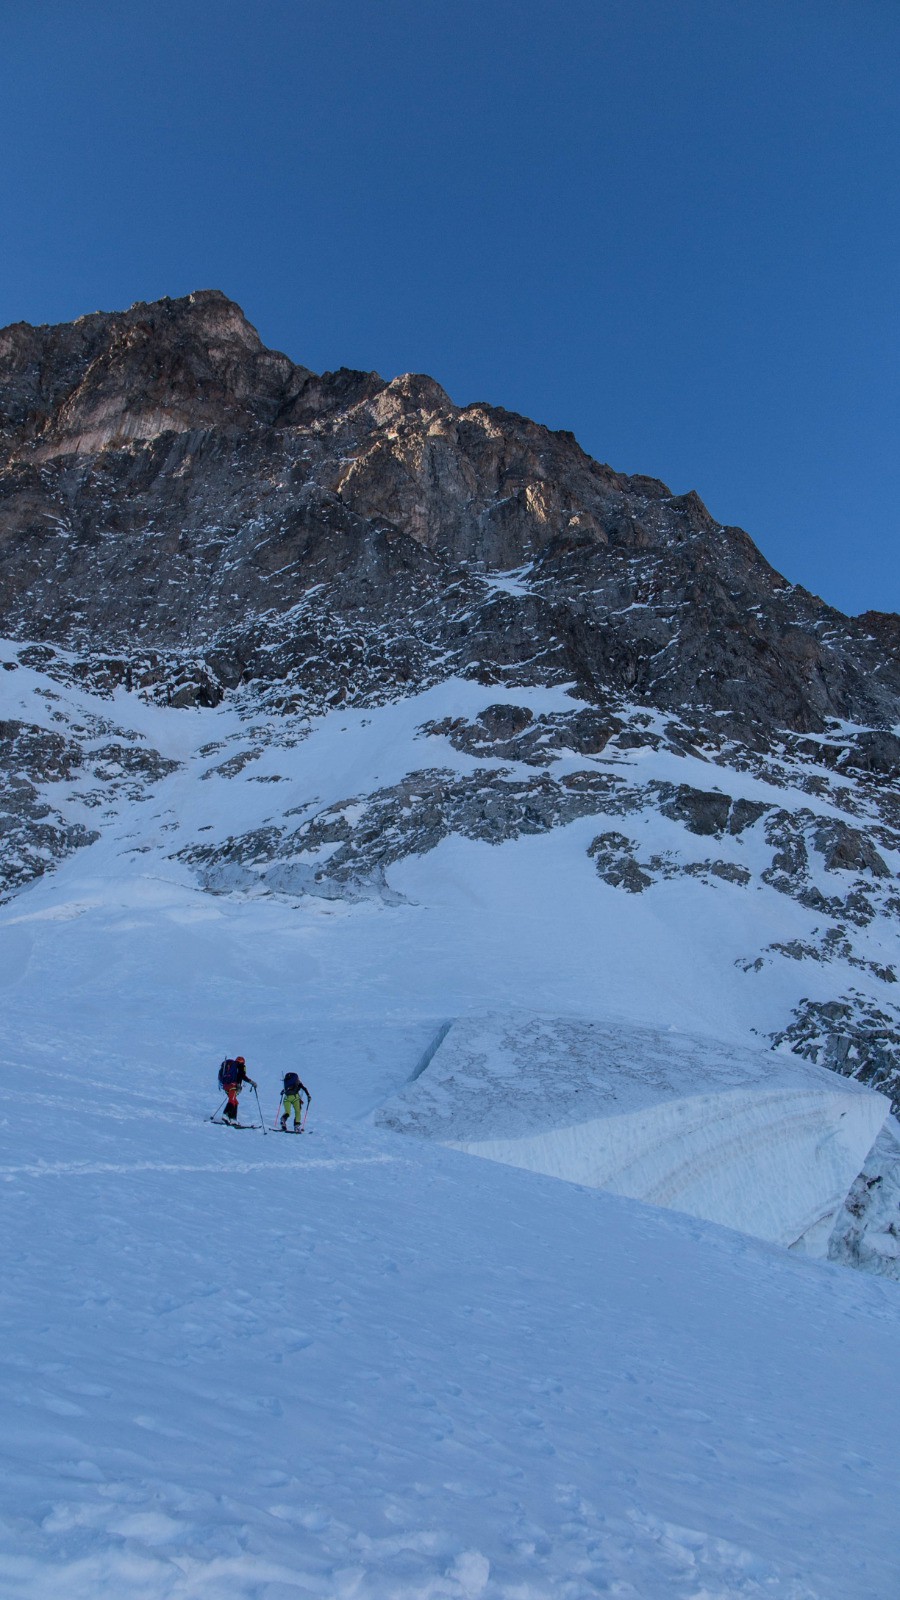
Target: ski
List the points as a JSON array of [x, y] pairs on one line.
[[245, 1127]]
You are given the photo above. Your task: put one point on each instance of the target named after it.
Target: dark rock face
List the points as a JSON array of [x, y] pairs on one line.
[[410, 818], [172, 492], [851, 1035], [876, 751], [847, 849], [615, 860], [33, 835], [513, 733], [702, 811], [174, 366]]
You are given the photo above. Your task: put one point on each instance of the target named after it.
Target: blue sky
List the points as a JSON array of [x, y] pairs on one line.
[[669, 225]]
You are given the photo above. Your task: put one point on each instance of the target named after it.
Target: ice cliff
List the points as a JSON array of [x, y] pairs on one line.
[[756, 1140]]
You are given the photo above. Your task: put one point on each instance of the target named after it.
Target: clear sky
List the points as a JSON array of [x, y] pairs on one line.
[[669, 225]]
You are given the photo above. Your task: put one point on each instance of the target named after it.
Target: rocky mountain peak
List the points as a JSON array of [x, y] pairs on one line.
[[170, 366], [168, 483]]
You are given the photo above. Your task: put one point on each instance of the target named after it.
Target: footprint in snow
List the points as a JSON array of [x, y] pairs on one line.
[[469, 1574], [81, 1471], [153, 1425], [291, 1341], [149, 1527], [60, 1407]]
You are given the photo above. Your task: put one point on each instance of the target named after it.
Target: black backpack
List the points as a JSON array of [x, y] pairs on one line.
[[229, 1072], [291, 1083]]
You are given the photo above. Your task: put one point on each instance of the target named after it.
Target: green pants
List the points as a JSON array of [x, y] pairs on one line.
[[289, 1101]]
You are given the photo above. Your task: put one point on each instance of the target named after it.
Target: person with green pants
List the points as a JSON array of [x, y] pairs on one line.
[[290, 1100]]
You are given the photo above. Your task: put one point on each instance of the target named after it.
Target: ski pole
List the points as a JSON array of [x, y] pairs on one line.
[[305, 1115], [259, 1109], [278, 1112], [220, 1110]]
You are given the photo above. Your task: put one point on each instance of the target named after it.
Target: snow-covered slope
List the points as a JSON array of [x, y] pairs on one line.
[[354, 1364], [511, 854], [758, 1141], [358, 1365]]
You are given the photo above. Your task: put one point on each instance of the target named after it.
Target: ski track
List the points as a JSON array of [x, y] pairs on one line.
[[76, 1169]]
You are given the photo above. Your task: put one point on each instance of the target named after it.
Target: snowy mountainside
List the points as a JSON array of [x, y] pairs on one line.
[[247, 1368], [749, 896], [352, 1364], [445, 854]]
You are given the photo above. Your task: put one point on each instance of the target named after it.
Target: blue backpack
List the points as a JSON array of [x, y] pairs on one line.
[[229, 1072], [291, 1083]]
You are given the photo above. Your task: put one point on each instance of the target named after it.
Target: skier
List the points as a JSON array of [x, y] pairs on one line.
[[232, 1077], [290, 1100]]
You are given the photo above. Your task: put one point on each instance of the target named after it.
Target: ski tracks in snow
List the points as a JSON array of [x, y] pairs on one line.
[[89, 1169]]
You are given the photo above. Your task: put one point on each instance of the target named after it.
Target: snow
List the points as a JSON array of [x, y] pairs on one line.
[[359, 1366], [512, 582], [764, 1143]]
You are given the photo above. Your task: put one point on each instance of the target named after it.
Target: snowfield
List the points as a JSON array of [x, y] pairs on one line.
[[356, 1365]]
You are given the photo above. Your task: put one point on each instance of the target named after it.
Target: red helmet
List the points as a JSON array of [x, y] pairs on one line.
[[240, 1061]]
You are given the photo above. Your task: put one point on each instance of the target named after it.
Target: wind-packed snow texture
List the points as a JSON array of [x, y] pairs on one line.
[[757, 1141], [356, 1366]]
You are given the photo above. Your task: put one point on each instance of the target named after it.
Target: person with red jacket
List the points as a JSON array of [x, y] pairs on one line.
[[232, 1077]]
